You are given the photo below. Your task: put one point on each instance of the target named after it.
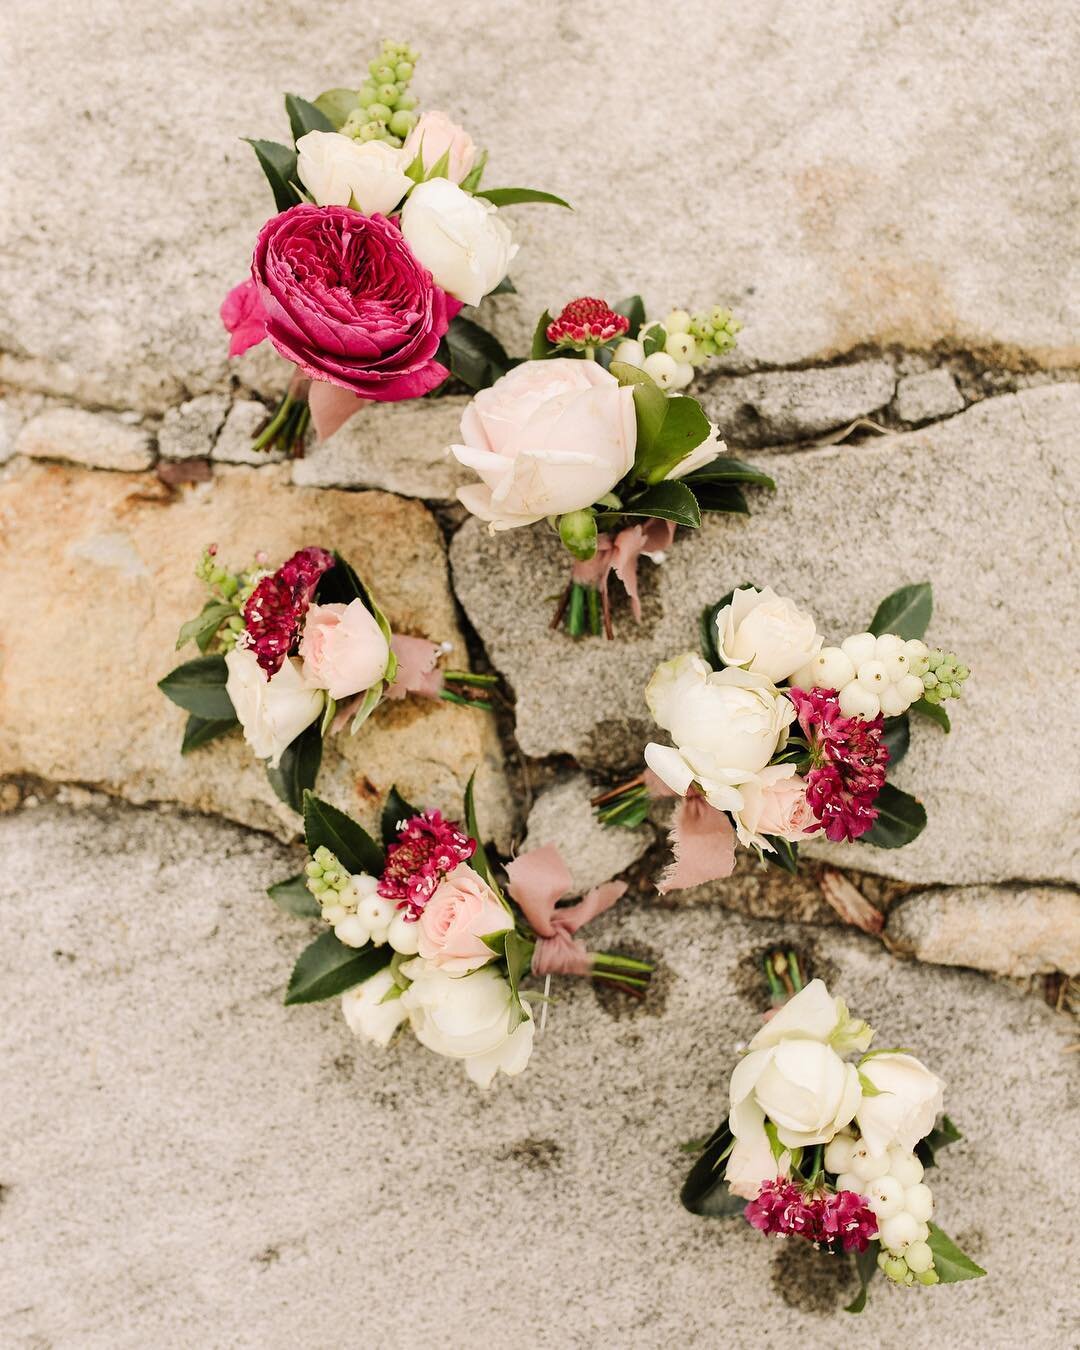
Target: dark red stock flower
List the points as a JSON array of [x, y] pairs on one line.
[[821, 1217], [586, 323], [276, 609], [849, 758], [427, 848]]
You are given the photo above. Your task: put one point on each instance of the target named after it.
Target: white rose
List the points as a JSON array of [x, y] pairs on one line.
[[466, 1017], [338, 171], [907, 1102], [546, 438], [709, 449], [459, 239], [726, 726], [765, 633], [367, 1014], [272, 712]]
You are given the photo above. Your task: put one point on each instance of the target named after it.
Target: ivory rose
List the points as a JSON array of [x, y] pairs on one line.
[[461, 912], [774, 803], [459, 238], [548, 437], [764, 633], [367, 1014], [369, 176], [908, 1100], [343, 649], [436, 135], [272, 712]]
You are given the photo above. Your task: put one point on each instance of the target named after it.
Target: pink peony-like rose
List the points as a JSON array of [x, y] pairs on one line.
[[344, 649], [463, 910], [436, 135], [348, 302], [244, 318]]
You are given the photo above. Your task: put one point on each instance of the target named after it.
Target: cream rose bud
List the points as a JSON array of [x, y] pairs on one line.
[[272, 712], [905, 1106], [813, 1014], [547, 438], [774, 803], [467, 1017], [458, 238], [338, 171], [343, 648], [765, 633], [462, 911], [367, 1014], [709, 449], [436, 135]]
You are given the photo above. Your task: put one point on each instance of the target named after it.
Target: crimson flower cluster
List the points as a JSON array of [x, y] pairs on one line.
[[822, 1217], [427, 848], [276, 609], [849, 758], [587, 322]]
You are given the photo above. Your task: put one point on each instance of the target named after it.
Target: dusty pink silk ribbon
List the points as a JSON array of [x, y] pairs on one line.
[[538, 880], [620, 554], [702, 840]]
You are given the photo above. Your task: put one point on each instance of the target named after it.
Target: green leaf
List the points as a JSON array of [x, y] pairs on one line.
[[518, 952], [667, 501], [471, 181], [724, 469], [505, 287], [541, 347], [305, 117], [705, 1191], [653, 338], [868, 1088], [512, 196], [336, 105], [441, 167], [897, 737], [477, 357], [866, 1268], [776, 1148], [707, 631], [479, 861], [906, 612], [718, 496], [298, 767], [327, 827], [371, 700], [341, 585], [951, 1264], [900, 819], [198, 686], [278, 162], [934, 711], [941, 1136], [200, 731], [327, 967], [683, 427], [202, 628], [294, 898], [633, 307], [395, 810], [786, 855]]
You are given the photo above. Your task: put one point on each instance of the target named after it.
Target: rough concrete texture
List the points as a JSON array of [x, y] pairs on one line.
[[189, 1163], [562, 815], [189, 430], [791, 405], [80, 437], [1014, 931], [841, 174], [930, 394], [953, 503], [113, 581], [245, 418]]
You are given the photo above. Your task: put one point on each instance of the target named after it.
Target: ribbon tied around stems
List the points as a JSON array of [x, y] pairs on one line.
[[538, 881], [702, 839], [619, 553]]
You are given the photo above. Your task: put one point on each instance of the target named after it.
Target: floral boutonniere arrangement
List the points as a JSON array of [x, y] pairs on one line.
[[383, 233], [422, 932], [778, 738], [835, 1152], [593, 435], [293, 654]]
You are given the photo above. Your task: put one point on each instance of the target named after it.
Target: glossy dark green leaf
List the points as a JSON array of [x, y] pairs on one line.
[[718, 496], [471, 181], [505, 287], [298, 767], [667, 501], [866, 1268], [199, 731], [294, 898], [934, 711], [327, 827], [518, 952], [897, 737], [305, 117], [327, 968], [198, 686], [477, 357], [683, 427], [205, 624], [725, 469], [707, 631], [951, 1264], [906, 612], [541, 347], [336, 105], [941, 1136], [786, 855], [705, 1191], [479, 861], [900, 819], [278, 162], [341, 585], [512, 196], [395, 810], [633, 307]]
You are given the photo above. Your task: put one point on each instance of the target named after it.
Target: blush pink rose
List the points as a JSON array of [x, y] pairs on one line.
[[461, 912], [774, 803], [244, 318], [343, 649], [436, 135], [347, 300]]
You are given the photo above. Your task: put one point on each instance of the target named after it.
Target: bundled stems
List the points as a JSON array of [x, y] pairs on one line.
[[287, 427], [626, 805], [472, 690], [585, 609], [784, 976], [622, 972]]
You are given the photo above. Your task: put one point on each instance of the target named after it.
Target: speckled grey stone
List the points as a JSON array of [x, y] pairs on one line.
[[794, 405], [233, 445], [563, 815], [98, 440], [189, 430], [933, 393]]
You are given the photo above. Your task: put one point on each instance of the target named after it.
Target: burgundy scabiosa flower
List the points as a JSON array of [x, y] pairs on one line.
[[586, 322], [848, 761], [276, 608], [822, 1217], [427, 848]]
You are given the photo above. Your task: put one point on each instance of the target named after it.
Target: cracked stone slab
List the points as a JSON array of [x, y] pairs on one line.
[[245, 418], [954, 503], [793, 405], [563, 815], [114, 580], [922, 228], [928, 395], [219, 1160], [97, 440], [189, 430]]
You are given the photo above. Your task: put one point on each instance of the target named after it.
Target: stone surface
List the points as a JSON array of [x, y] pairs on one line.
[[954, 503], [188, 431], [189, 1163], [948, 217], [793, 405], [1015, 931], [245, 418], [95, 439], [113, 582], [398, 447], [563, 815], [922, 397]]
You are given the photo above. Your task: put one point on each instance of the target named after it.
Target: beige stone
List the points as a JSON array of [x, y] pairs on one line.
[[98, 440]]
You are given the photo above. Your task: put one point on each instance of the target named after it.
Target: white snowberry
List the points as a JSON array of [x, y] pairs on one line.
[[352, 930], [888, 644], [919, 1257], [885, 1196], [848, 1181], [630, 352], [377, 913], [896, 1232], [838, 1153], [893, 703], [663, 369], [404, 936], [856, 700], [865, 1165], [860, 647], [872, 675], [905, 1167], [896, 666], [919, 1202]]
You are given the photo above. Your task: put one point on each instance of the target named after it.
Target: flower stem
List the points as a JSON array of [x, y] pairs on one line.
[[268, 436], [575, 621], [469, 677]]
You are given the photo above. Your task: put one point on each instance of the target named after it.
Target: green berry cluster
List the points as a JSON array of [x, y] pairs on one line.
[[944, 677], [914, 1266], [387, 110], [715, 332], [327, 879], [230, 588], [223, 584]]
